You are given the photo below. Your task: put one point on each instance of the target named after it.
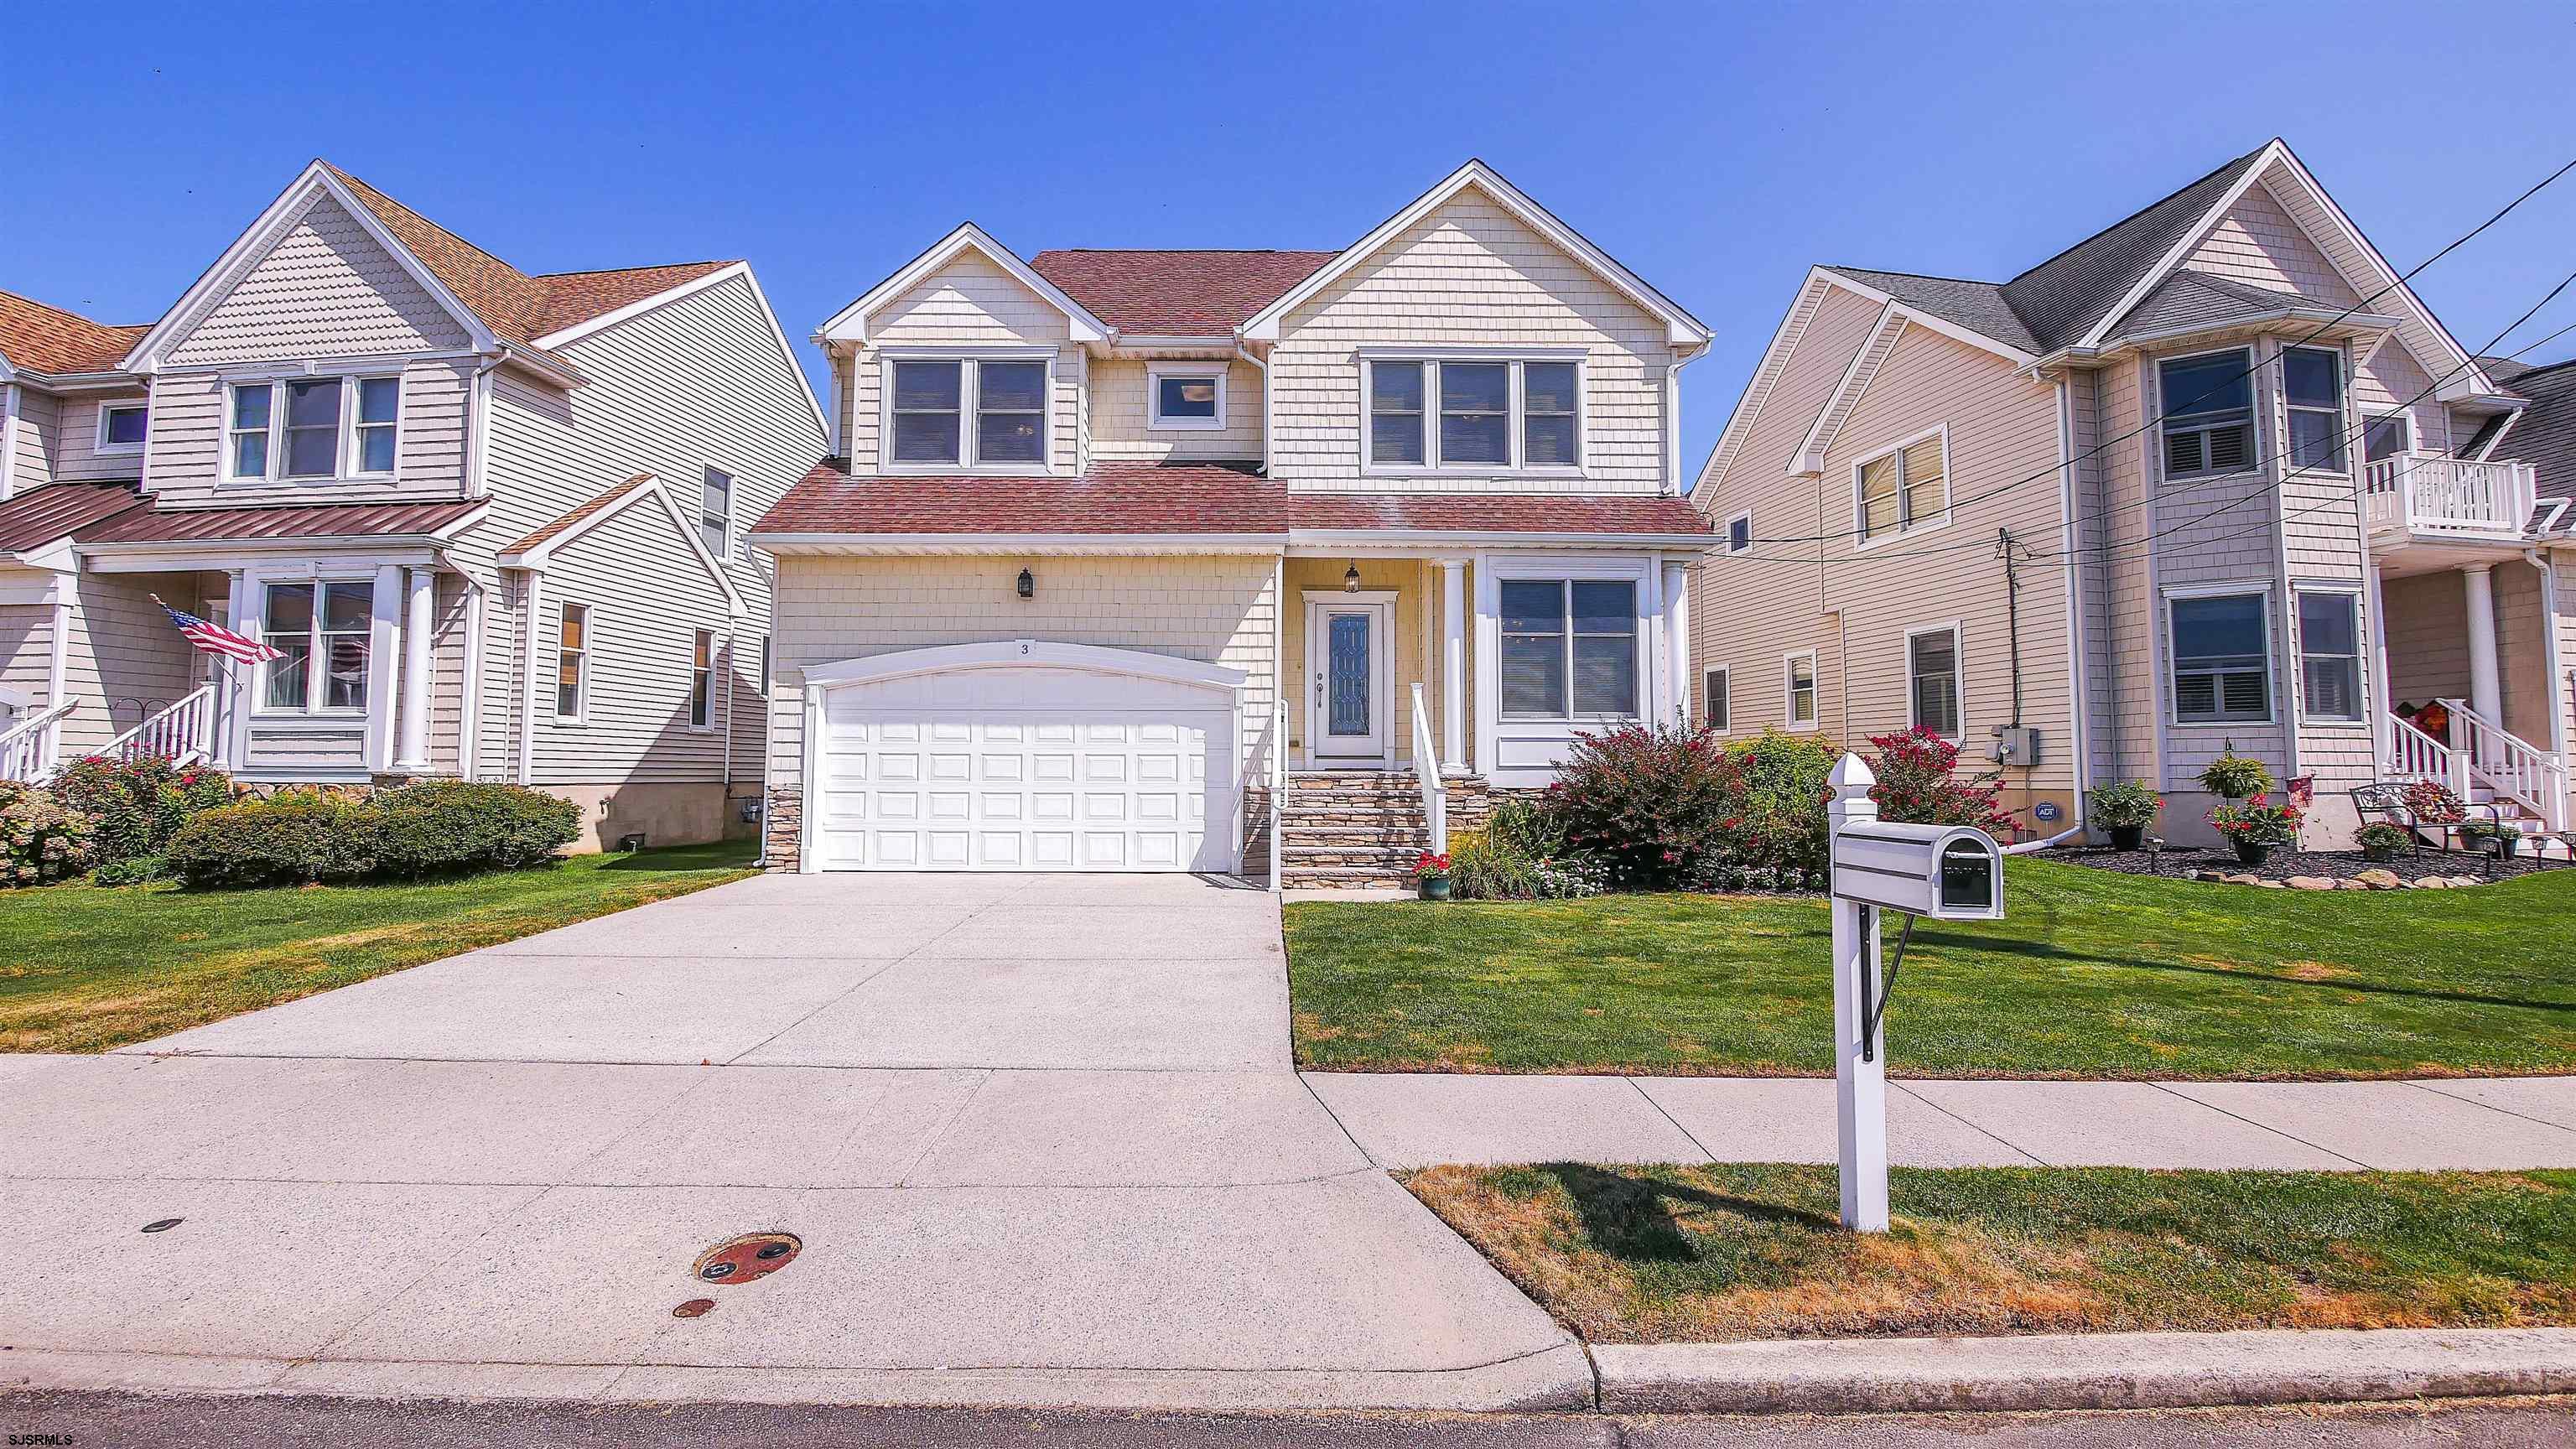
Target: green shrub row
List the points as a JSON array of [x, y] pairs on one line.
[[439, 827]]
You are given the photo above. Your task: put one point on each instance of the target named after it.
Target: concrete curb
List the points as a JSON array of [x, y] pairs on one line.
[[2085, 1371]]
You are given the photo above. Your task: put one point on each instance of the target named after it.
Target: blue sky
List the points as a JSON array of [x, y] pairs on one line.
[[1717, 150]]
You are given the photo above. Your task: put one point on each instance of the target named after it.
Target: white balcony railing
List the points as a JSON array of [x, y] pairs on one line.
[[180, 734], [2417, 494], [2509, 765], [29, 746]]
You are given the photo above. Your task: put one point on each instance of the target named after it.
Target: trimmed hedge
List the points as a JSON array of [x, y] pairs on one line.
[[441, 827]]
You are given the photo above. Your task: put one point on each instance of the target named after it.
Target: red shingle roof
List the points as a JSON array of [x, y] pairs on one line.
[[38, 338], [1185, 498], [1176, 294], [578, 514]]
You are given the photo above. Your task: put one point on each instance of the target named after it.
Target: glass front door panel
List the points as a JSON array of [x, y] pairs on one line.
[[1346, 669]]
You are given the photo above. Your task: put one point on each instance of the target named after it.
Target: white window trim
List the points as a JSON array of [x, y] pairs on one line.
[[2351, 589], [1905, 521], [1155, 372], [1565, 580], [1789, 693], [1745, 518], [344, 467], [1958, 675], [122, 450], [2342, 411], [733, 485], [715, 655], [2271, 654], [1721, 701], [969, 390], [1516, 438], [261, 709], [554, 682], [2155, 371]]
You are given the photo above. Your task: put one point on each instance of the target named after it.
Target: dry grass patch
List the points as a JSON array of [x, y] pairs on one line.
[[1677, 1254]]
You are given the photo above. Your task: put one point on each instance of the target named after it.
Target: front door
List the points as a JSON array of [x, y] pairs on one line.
[[1350, 674]]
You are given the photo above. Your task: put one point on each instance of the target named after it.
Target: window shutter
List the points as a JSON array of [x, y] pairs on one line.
[[2241, 693], [2182, 453], [2229, 448], [2195, 695]]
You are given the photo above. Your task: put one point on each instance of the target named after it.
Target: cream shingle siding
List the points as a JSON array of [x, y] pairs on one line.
[[1214, 609], [326, 289], [2391, 377], [1469, 274], [1121, 394], [970, 303]]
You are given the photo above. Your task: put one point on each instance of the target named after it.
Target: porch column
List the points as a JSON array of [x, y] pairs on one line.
[[235, 682], [1677, 639], [2485, 695], [411, 748], [1453, 663], [384, 636]]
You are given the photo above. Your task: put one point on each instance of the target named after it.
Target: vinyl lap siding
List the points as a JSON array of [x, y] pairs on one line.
[[38, 428], [76, 452], [635, 724], [186, 462], [325, 289], [2126, 654], [1469, 274], [125, 662]]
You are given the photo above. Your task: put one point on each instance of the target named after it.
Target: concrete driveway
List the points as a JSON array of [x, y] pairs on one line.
[[1039, 1137]]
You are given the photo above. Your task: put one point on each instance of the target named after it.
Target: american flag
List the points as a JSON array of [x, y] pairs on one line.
[[216, 639]]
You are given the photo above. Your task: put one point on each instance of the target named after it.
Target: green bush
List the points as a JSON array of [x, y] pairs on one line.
[[1775, 827], [132, 871], [2126, 803], [1518, 856], [1646, 799], [2235, 776], [41, 839], [443, 826], [137, 805], [295, 838]]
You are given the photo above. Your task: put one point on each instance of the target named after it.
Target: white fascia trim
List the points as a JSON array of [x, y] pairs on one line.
[[1019, 544], [690, 288], [1682, 329], [1942, 325], [1413, 540], [850, 324], [1809, 460], [536, 559], [1748, 403], [254, 243], [1024, 653]]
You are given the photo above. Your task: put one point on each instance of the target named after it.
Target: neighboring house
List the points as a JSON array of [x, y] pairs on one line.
[[495, 521], [1120, 543], [2212, 476]]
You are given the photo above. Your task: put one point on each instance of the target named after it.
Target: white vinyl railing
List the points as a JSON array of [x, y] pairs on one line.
[[2509, 765], [179, 734], [2415, 755], [29, 747], [1426, 774], [2413, 493]]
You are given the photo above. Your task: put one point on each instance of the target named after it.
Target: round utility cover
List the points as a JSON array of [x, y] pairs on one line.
[[746, 1258]]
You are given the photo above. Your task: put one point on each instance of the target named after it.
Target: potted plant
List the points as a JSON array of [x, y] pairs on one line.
[[2126, 809], [2382, 842], [2257, 827], [2478, 832], [1431, 876], [2234, 776]]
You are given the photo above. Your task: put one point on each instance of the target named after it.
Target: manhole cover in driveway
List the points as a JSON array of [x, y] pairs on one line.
[[746, 1258]]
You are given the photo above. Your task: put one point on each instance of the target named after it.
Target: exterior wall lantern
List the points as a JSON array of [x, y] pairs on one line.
[[1028, 585], [1351, 579]]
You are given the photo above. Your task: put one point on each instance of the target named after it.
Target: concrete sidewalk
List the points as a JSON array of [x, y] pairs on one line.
[[1417, 1120]]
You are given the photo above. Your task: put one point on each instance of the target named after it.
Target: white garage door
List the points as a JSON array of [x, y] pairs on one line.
[[1012, 766]]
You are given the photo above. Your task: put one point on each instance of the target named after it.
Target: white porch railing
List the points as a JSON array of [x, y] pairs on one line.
[[2418, 494], [2508, 765], [2415, 755], [1426, 774], [181, 734], [29, 748]]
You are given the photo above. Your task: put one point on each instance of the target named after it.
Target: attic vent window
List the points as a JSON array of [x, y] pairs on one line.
[[1181, 399], [2208, 414]]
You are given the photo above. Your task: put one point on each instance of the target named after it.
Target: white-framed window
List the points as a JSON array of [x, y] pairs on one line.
[[1739, 533], [1715, 704], [1184, 396], [2330, 654], [1569, 648], [2312, 389], [715, 511], [1477, 413], [572, 660], [973, 412], [312, 428], [123, 426], [702, 680], [323, 632], [1932, 679], [1798, 691], [2208, 413], [2388, 436], [2220, 645], [1902, 488]]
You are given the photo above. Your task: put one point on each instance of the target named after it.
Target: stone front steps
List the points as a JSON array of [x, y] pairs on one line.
[[1363, 827]]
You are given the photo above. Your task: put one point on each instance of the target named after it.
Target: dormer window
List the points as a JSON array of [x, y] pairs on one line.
[[1184, 397], [929, 402], [1474, 413], [321, 428], [121, 427]]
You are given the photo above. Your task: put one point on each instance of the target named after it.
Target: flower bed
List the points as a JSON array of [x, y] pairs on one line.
[[2187, 863]]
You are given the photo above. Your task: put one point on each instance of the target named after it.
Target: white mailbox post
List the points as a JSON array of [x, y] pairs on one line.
[[1947, 872]]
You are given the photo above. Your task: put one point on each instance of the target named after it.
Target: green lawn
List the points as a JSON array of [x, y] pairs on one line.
[[2091, 974], [83, 969], [1684, 1254]]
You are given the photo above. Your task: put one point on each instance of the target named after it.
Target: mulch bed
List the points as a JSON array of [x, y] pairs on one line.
[[2183, 862]]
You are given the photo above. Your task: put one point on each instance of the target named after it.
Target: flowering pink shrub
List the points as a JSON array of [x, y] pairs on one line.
[[1918, 783], [1649, 800]]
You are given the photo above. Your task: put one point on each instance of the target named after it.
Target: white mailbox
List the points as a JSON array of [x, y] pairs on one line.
[[1947, 872]]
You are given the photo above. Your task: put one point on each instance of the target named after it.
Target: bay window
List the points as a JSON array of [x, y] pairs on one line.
[[321, 428], [2312, 387], [1490, 415], [2330, 655], [2221, 646], [929, 405], [1569, 648], [2208, 414], [323, 634]]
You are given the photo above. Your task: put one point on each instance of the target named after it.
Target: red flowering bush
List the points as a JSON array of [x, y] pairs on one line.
[[1649, 800], [137, 805], [2258, 822], [1918, 782]]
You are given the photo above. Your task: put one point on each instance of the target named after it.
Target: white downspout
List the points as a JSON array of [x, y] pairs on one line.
[[528, 676], [2552, 681], [1263, 368], [8, 442], [1278, 692]]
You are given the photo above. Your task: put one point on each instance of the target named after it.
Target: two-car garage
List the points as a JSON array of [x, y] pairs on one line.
[[1022, 756]]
